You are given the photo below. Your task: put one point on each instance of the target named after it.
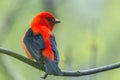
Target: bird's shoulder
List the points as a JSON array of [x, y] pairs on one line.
[[34, 40]]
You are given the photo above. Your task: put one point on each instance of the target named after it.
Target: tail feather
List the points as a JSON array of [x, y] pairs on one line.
[[52, 68]]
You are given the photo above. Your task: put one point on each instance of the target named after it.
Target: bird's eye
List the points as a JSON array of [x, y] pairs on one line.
[[49, 19]]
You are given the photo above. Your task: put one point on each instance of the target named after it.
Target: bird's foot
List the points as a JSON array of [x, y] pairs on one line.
[[44, 76]]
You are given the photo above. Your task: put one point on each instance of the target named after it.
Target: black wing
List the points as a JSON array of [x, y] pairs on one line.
[[35, 44], [54, 48], [52, 67]]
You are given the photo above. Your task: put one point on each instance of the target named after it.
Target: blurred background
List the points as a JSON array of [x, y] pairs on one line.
[[88, 37]]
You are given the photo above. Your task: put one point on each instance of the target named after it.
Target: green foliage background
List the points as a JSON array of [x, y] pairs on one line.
[[89, 36]]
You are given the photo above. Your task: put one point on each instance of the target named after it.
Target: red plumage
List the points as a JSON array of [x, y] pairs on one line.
[[43, 24]]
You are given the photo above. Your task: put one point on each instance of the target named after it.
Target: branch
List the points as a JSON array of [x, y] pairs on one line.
[[91, 71], [21, 58], [65, 73]]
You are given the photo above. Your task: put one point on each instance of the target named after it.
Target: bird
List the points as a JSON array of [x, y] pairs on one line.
[[39, 42]]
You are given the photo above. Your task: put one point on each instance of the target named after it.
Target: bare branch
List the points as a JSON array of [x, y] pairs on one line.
[[91, 71], [21, 58], [65, 73]]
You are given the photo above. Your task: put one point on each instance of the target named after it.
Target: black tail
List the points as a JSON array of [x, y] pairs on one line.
[[52, 67]]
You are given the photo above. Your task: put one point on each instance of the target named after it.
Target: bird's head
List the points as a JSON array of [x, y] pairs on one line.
[[44, 19]]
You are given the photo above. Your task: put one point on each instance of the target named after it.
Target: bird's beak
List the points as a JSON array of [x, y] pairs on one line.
[[57, 21]]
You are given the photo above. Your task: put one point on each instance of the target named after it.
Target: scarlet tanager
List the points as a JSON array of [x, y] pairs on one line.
[[39, 42]]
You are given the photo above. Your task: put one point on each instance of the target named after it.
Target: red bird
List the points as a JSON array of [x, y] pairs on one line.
[[39, 42]]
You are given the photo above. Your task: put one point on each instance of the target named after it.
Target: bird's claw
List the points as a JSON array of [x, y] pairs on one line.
[[44, 76]]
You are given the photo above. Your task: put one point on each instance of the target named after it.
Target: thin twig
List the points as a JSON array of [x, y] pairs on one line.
[[65, 73], [21, 58], [91, 71]]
